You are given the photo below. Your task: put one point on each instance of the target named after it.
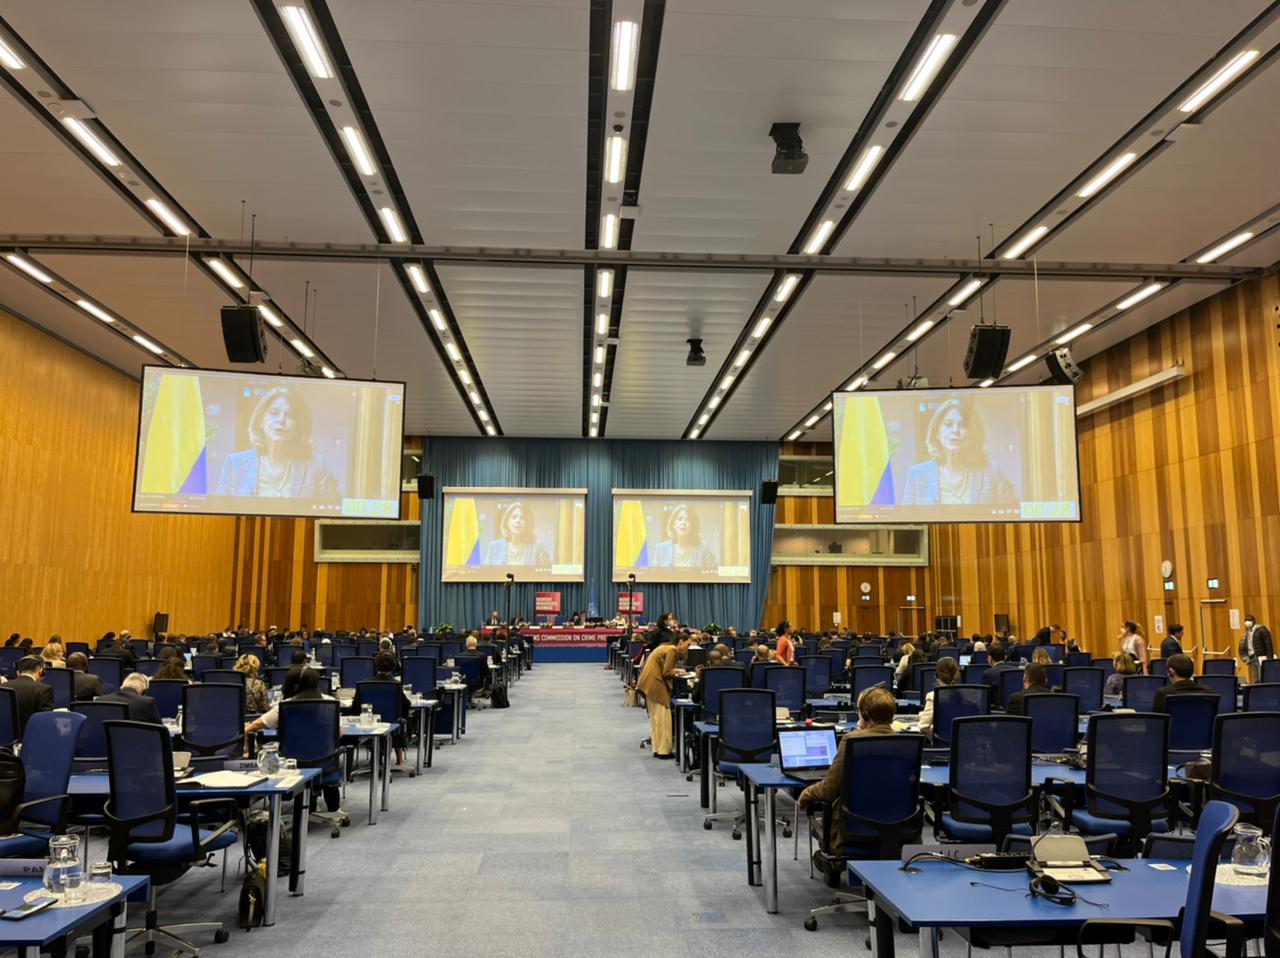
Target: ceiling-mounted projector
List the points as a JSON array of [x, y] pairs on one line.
[[790, 156], [696, 356]]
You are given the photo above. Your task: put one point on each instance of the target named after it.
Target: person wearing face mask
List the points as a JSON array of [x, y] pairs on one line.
[[958, 470], [1255, 647], [281, 463]]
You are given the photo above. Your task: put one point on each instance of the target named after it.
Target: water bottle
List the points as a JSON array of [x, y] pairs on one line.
[[179, 719], [366, 716]]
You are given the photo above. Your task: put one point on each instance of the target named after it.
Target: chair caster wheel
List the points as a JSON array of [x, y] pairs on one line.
[[737, 836], [811, 924], [689, 777], [866, 943], [346, 821], [707, 824], [335, 833], [221, 935], [786, 833]]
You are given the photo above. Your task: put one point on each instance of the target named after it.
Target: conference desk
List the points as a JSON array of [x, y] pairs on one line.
[[572, 644], [296, 784], [55, 929], [379, 739], [424, 713], [943, 895]]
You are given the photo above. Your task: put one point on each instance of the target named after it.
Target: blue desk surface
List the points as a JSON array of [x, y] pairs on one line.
[[770, 776], [97, 784], [53, 923], [941, 896]]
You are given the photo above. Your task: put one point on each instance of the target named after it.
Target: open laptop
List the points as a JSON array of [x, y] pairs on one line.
[[807, 753]]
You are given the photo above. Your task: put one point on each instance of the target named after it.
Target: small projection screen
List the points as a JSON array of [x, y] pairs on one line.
[[682, 535], [537, 535]]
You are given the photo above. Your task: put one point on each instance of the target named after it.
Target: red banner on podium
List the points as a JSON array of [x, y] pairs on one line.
[[631, 602], [546, 603]]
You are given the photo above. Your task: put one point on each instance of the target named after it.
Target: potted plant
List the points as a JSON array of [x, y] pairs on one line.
[[712, 629]]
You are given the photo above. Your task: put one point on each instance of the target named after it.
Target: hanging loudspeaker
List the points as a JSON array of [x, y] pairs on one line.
[[426, 486], [768, 493], [988, 346], [1062, 368]]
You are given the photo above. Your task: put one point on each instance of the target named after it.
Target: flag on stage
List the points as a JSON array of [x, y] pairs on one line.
[[176, 459]]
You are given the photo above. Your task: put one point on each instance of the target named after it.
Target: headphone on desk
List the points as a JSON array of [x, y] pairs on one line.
[[1052, 891]]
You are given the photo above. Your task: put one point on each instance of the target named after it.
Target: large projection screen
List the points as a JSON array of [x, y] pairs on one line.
[[234, 443], [537, 535], [957, 455], [682, 535]]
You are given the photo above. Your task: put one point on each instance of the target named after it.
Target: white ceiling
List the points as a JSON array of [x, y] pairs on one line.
[[483, 108]]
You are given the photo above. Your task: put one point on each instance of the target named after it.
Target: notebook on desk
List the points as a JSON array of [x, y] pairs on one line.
[[807, 754]]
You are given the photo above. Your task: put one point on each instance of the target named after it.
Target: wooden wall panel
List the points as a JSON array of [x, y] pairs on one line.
[[1186, 473], [73, 558]]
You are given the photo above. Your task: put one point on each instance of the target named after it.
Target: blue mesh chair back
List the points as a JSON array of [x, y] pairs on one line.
[[1226, 686], [1220, 667], [817, 675], [973, 672], [200, 664], [949, 652], [1127, 772], [1087, 683], [1078, 660], [1215, 825], [324, 653], [980, 658], [747, 730], [278, 674], [367, 647], [788, 685], [1053, 675], [62, 681], [951, 702], [1010, 682], [386, 697], [990, 772], [212, 719], [310, 732], [140, 648], [1270, 670], [469, 666], [1108, 667], [757, 669], [8, 717], [716, 680], [1023, 651], [837, 659], [1158, 667], [355, 668], [248, 647], [225, 676], [110, 670], [745, 656], [1055, 720], [868, 652], [91, 743], [48, 751], [143, 805], [926, 679], [149, 667], [880, 795], [168, 696], [282, 650], [421, 673], [81, 647], [341, 652], [1263, 697], [1191, 718], [1139, 691], [1246, 764], [450, 649], [1057, 653], [863, 677]]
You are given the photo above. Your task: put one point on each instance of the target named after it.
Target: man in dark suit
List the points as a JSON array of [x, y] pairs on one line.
[[142, 708], [85, 687], [1181, 670], [991, 676], [1255, 646], [1172, 645], [128, 661], [33, 695], [1034, 679]]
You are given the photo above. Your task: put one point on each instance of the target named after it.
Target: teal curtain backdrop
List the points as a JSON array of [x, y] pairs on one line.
[[599, 466]]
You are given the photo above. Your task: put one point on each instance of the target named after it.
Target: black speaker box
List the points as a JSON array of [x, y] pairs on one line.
[[1002, 622], [160, 623], [988, 346], [1062, 368], [426, 487], [768, 493], [243, 334]]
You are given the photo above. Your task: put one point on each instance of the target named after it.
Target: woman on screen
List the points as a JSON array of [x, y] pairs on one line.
[[280, 464], [683, 548], [958, 471], [516, 543]]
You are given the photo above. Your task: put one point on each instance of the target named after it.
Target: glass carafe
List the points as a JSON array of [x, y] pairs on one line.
[[1251, 856], [366, 716], [64, 873], [269, 760]]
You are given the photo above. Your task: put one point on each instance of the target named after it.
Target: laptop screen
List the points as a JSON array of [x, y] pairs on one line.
[[807, 748]]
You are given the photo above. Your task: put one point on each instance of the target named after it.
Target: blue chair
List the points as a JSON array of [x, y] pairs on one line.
[[1087, 684], [1227, 687], [81, 647], [925, 679], [355, 668], [973, 673], [8, 716], [200, 664], [1215, 825], [787, 683], [1055, 718], [450, 649], [1246, 764], [1191, 718], [422, 673], [1138, 692], [1126, 778], [747, 735], [149, 667], [341, 651], [949, 652], [1159, 668], [989, 793], [310, 731], [1075, 660], [837, 659], [1053, 675], [1220, 667], [756, 671], [140, 648], [980, 658], [91, 743], [225, 677], [1270, 671], [387, 698], [325, 653], [817, 675], [48, 750], [1108, 667], [1057, 653], [63, 683], [110, 670], [148, 836], [951, 702], [367, 648], [863, 677], [212, 720], [1010, 682], [870, 652], [1262, 697], [9, 658], [277, 675], [716, 680], [168, 696], [745, 656]]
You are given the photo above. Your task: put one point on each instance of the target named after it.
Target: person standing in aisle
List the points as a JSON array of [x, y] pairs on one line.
[[655, 683], [1255, 647]]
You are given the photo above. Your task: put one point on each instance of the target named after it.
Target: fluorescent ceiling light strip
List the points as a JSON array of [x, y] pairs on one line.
[[599, 355], [1112, 170], [742, 358], [812, 420], [626, 43], [595, 399], [826, 407], [595, 416], [694, 432], [727, 381], [328, 373], [856, 384], [602, 324], [465, 377], [166, 216], [29, 268], [1215, 84], [927, 67], [866, 163], [223, 270], [1073, 333], [762, 327], [1026, 360], [1144, 293], [490, 430], [714, 402], [483, 414], [884, 360], [303, 349], [597, 380], [475, 397], [1024, 244], [96, 311], [307, 41], [786, 287], [9, 58], [615, 159], [609, 231], [419, 277], [437, 319], [1225, 247], [395, 229], [452, 350], [358, 151], [704, 419], [148, 345], [90, 140], [795, 435], [595, 432], [604, 283], [985, 383], [270, 316], [819, 237], [967, 290], [920, 330]]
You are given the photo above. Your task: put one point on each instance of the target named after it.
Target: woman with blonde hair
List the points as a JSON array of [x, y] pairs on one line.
[[256, 698], [1126, 665], [1041, 657], [54, 655]]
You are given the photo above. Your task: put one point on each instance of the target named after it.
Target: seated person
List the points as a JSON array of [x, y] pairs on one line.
[[948, 674], [142, 708], [171, 670], [485, 676], [714, 658], [1126, 665], [85, 687], [1034, 679], [991, 676], [306, 686], [385, 666], [1181, 672], [876, 707], [1041, 656]]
